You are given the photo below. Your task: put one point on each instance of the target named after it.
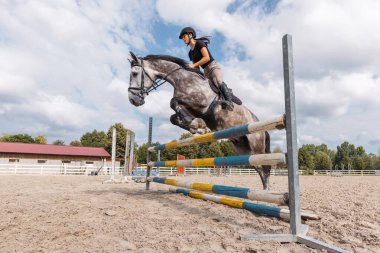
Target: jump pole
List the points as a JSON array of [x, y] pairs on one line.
[[260, 159], [239, 192], [276, 123], [262, 209]]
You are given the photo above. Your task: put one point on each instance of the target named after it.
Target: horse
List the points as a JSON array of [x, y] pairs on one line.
[[196, 105]]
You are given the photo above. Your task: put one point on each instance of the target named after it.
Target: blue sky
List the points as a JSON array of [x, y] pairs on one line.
[[64, 68]]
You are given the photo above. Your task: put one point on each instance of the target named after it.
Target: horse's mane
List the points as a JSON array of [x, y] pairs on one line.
[[179, 61]]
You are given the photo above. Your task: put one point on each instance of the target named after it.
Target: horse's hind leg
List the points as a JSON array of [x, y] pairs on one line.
[[246, 145], [260, 144], [264, 172]]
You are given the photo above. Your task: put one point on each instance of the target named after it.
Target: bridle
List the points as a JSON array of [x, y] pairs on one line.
[[141, 91]]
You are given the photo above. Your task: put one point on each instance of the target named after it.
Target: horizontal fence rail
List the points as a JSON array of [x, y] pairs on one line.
[[345, 172], [51, 169], [6, 169]]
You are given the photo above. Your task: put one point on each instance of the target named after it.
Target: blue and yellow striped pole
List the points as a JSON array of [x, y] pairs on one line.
[[260, 159], [277, 123], [240, 192], [237, 203]]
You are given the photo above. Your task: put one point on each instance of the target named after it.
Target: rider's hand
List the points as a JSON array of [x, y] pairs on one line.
[[191, 65]]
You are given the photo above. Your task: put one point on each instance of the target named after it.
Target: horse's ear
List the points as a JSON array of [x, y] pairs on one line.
[[134, 58]]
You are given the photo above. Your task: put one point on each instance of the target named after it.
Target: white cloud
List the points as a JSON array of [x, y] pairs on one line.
[[62, 64], [335, 59]]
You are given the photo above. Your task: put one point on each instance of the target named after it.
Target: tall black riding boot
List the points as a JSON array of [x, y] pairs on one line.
[[227, 94]]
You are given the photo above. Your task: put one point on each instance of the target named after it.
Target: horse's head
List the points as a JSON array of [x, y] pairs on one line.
[[140, 81]]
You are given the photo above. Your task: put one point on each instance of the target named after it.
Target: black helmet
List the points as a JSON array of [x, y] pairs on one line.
[[187, 30]]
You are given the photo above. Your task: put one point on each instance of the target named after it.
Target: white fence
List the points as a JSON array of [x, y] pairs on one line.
[[64, 169], [346, 172], [224, 171], [8, 169]]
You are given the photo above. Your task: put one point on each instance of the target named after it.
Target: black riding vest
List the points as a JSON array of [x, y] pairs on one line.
[[195, 55]]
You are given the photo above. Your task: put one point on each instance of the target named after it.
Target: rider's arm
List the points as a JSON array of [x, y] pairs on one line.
[[205, 58]]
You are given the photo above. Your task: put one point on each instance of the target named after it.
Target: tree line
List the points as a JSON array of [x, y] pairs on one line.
[[310, 157], [345, 157]]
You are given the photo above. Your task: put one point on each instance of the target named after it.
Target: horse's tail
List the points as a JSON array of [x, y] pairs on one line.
[[267, 143]]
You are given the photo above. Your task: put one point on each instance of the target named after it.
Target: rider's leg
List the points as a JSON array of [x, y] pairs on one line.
[[215, 74], [185, 117], [226, 92]]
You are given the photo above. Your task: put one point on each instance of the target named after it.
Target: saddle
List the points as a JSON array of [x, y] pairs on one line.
[[215, 89]]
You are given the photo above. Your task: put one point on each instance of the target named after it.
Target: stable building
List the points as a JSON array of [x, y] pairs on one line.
[[46, 154]]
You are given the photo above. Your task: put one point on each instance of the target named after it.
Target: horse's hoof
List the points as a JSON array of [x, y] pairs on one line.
[[201, 131]]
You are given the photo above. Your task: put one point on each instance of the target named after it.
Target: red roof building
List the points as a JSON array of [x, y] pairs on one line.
[[14, 156], [46, 149]]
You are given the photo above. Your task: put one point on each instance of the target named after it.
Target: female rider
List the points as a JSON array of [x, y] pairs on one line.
[[200, 56]]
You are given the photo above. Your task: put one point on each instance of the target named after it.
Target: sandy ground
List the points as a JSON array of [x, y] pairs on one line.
[[80, 214]]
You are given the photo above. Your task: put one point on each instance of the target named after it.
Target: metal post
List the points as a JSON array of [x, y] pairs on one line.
[[298, 231], [126, 154], [113, 153], [148, 153], [131, 154], [158, 159], [291, 136]]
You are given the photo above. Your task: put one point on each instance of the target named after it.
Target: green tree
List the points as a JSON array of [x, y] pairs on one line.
[[141, 154], [322, 161], [376, 164], [121, 133], [24, 138], [169, 154], [227, 148], [360, 151], [58, 142], [94, 139], [214, 149], [369, 162], [358, 163], [40, 139], [321, 148], [345, 152], [76, 143], [306, 158]]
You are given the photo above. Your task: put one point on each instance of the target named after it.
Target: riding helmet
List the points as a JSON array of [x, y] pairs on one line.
[[187, 30]]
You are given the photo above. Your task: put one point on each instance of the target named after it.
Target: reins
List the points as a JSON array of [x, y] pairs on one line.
[[142, 90]]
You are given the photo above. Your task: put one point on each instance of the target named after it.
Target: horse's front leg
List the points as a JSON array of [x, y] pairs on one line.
[[185, 120], [182, 114], [176, 119], [196, 126]]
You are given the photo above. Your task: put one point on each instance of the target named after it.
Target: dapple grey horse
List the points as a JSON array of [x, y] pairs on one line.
[[195, 103]]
